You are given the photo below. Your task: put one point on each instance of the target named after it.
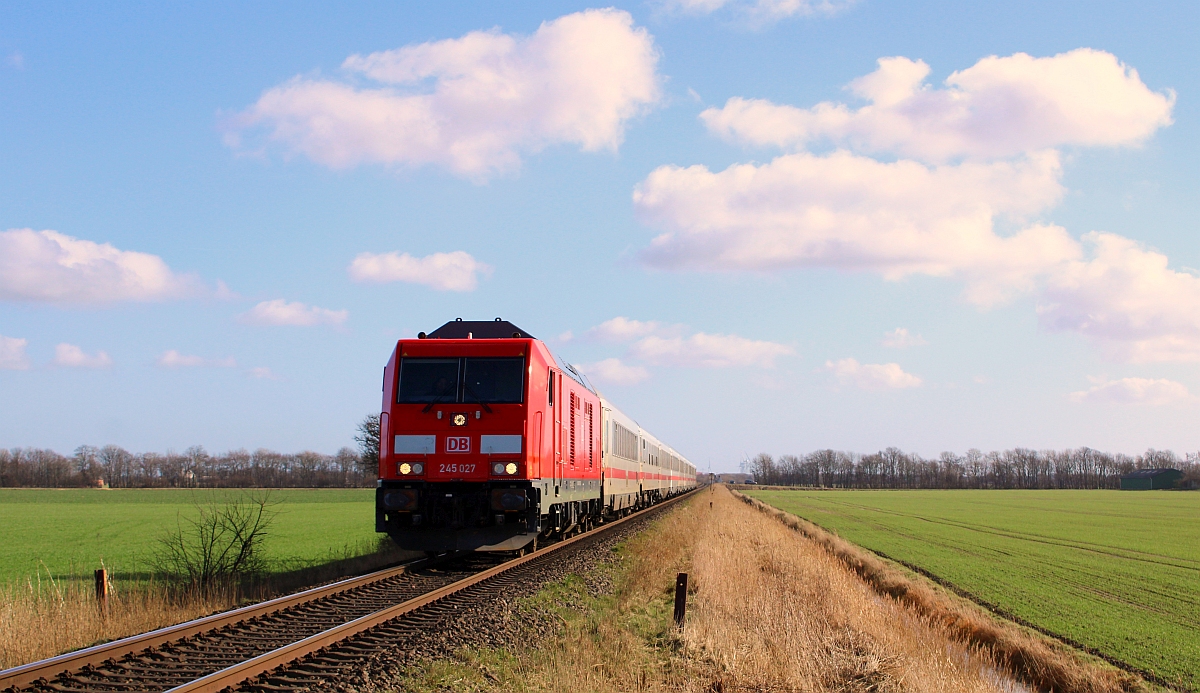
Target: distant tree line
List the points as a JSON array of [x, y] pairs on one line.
[[1019, 468], [195, 467]]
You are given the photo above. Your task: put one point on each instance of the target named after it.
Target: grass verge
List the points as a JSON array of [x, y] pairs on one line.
[[1112, 573], [769, 610], [1042, 663], [44, 616]]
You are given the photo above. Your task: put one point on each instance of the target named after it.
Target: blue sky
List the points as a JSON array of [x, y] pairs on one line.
[[768, 225]]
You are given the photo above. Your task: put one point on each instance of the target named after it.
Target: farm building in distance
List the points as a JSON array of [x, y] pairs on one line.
[[1148, 479]]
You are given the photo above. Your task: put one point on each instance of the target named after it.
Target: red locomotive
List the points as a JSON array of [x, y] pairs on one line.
[[487, 442]]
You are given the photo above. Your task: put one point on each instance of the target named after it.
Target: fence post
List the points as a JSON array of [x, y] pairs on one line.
[[102, 590], [680, 598]]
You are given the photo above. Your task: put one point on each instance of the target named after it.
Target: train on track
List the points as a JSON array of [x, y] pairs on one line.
[[488, 442]]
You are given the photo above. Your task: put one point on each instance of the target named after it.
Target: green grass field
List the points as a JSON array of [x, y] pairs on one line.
[[1116, 571], [70, 531]]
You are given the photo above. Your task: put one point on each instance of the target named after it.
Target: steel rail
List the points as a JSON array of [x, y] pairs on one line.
[[239, 673], [97, 654]]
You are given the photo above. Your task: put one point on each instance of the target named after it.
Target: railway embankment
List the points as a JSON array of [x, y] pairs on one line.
[[1040, 662], [769, 609]]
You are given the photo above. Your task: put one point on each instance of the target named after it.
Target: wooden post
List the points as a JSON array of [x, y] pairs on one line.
[[680, 598], [102, 590]]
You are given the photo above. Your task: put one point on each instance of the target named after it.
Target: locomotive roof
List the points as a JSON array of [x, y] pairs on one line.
[[501, 329], [479, 329], [575, 374]]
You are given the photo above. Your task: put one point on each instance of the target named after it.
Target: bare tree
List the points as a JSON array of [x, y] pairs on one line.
[[346, 461], [221, 544], [368, 445], [117, 465]]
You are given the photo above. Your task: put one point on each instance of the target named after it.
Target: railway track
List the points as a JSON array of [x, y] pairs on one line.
[[294, 642]]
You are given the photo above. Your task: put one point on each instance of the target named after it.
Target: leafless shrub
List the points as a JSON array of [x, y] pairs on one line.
[[220, 545]]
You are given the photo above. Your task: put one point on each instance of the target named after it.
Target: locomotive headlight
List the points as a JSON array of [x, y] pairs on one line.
[[511, 468], [498, 468], [406, 468], [418, 468]]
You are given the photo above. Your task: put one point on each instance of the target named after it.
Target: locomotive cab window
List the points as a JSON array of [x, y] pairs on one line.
[[461, 380], [428, 380], [495, 381]]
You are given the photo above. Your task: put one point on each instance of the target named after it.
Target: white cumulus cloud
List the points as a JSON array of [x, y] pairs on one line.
[[852, 212], [901, 338], [1135, 391], [280, 312], [977, 154], [871, 376], [72, 356], [12, 354], [708, 351], [51, 267], [662, 344], [473, 104], [622, 329], [999, 107], [1126, 298], [456, 271], [613, 371], [174, 359]]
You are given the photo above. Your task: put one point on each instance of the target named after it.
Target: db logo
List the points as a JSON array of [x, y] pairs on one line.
[[458, 444]]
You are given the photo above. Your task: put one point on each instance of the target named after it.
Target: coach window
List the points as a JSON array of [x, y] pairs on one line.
[[428, 380], [494, 381]]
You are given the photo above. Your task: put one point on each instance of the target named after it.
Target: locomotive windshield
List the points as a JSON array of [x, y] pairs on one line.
[[496, 381], [428, 380], [464, 380]]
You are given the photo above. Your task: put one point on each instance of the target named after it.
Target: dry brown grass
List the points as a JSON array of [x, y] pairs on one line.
[[44, 617], [1040, 662], [775, 611], [769, 610]]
